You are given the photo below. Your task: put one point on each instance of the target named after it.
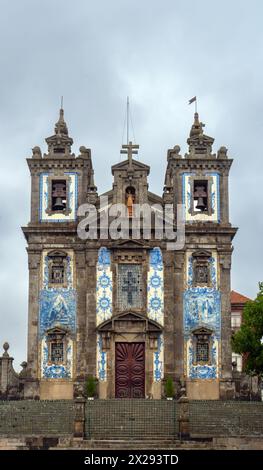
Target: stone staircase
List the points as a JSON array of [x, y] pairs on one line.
[[135, 445], [132, 444], [13, 443]]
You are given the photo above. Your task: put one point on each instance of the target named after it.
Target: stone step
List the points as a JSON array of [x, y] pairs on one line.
[[133, 445]]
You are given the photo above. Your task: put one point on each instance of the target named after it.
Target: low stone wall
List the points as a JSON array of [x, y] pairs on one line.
[[131, 419], [225, 418], [29, 417]]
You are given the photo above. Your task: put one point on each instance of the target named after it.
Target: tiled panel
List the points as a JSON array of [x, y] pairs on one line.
[[44, 198], [104, 286], [158, 364], [101, 361], [155, 290], [57, 309], [214, 197], [202, 308]]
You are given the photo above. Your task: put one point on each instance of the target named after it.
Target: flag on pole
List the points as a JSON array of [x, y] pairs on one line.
[[192, 100]]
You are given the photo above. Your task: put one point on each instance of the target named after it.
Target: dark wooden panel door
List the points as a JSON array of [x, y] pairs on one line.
[[129, 370]]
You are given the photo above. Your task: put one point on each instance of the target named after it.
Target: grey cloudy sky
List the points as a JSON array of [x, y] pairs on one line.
[[160, 53]]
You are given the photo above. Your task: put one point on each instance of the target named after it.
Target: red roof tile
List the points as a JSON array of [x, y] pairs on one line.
[[237, 298]]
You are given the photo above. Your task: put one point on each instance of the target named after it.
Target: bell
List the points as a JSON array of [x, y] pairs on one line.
[[199, 194], [59, 206], [200, 204]]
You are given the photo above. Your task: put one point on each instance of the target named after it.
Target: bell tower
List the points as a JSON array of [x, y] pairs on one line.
[[199, 180], [60, 182]]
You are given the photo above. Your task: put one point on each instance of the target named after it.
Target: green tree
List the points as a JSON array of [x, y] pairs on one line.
[[91, 386], [248, 340], [169, 387]]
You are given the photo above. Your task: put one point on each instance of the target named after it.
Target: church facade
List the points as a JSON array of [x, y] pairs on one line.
[[129, 311]]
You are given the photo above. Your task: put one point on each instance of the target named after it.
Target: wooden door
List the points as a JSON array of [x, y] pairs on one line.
[[130, 370]]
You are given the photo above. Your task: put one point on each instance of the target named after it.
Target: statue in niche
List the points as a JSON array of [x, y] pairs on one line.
[[130, 198]]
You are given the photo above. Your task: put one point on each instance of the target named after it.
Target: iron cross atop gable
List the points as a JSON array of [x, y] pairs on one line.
[[130, 149]]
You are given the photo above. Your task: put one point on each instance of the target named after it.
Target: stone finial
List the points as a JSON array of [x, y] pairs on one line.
[[197, 127], [24, 372], [84, 152], [61, 126], [222, 153], [200, 145], [36, 151], [59, 144], [174, 152], [6, 347]]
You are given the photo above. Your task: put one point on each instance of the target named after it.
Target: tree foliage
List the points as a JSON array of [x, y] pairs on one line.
[[169, 387], [91, 386], [248, 340]]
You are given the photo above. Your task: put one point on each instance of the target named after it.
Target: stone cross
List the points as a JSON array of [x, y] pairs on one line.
[[130, 149]]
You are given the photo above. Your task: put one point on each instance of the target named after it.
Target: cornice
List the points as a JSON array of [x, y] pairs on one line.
[[200, 163], [51, 163]]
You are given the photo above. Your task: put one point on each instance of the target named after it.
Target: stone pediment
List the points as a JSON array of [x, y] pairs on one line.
[[202, 330], [124, 166], [201, 254], [129, 321], [130, 244], [57, 330]]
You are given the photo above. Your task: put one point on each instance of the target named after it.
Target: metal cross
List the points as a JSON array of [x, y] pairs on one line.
[[130, 286], [130, 149]]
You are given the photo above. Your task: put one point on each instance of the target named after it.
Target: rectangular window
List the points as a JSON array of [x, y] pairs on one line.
[[129, 286], [58, 195], [235, 319], [57, 263], [202, 352], [56, 353], [57, 273]]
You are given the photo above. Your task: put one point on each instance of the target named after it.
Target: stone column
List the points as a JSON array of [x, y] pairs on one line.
[[91, 334], [226, 384], [34, 262], [169, 314], [79, 418], [81, 319], [9, 379], [224, 197], [178, 315], [184, 417], [34, 195]]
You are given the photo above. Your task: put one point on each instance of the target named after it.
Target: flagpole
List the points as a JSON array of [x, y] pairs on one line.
[[128, 118], [196, 105]]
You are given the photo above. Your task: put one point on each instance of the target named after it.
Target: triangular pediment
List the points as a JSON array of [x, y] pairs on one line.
[[130, 244], [202, 330], [201, 254], [135, 166], [130, 316], [57, 330]]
